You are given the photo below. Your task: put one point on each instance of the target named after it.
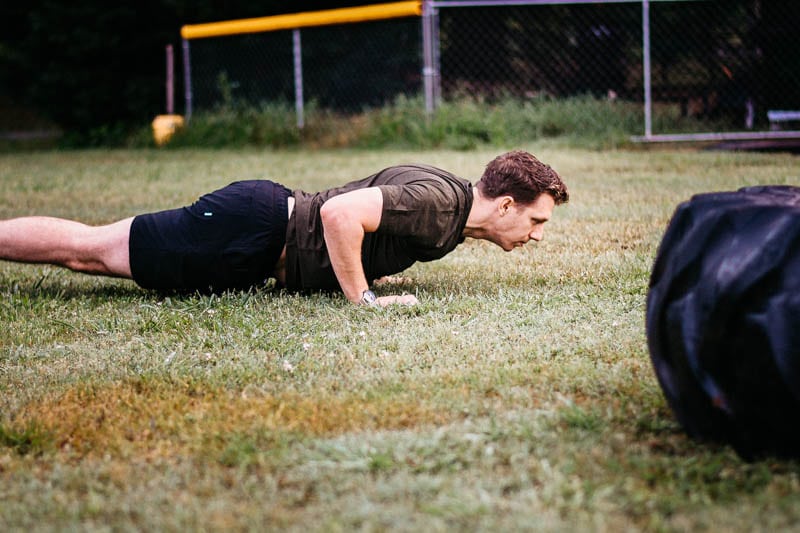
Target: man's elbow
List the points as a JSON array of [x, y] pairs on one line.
[[334, 216], [345, 212], [328, 213]]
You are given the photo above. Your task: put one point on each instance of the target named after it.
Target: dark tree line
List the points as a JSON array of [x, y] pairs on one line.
[[86, 64]]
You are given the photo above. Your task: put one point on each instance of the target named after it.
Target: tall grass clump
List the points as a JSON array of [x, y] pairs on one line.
[[470, 121], [462, 122], [585, 121], [269, 124]]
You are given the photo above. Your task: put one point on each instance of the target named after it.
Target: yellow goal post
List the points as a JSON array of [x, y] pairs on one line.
[[295, 21]]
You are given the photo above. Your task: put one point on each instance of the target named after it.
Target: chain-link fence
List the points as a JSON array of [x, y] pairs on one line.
[[728, 65], [345, 68], [548, 50], [248, 69]]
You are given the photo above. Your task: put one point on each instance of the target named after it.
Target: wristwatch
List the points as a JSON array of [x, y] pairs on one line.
[[368, 298]]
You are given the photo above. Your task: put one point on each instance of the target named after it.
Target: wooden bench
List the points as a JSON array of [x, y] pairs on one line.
[[776, 117]]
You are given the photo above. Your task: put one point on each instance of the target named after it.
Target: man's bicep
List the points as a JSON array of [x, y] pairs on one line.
[[364, 206]]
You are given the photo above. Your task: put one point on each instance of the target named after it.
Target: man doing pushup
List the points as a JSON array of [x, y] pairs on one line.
[[339, 239]]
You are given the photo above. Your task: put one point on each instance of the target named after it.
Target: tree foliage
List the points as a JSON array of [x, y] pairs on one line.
[[87, 64]]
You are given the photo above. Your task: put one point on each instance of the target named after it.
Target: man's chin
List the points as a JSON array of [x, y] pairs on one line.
[[506, 246]]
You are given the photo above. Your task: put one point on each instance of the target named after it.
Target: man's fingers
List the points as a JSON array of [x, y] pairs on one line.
[[396, 280], [395, 299]]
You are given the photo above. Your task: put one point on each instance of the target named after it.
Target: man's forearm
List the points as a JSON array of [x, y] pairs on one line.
[[344, 250]]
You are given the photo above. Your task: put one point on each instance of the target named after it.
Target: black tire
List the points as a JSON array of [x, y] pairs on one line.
[[723, 319]]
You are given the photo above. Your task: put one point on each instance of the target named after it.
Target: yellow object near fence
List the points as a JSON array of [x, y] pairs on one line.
[[165, 126], [301, 20]]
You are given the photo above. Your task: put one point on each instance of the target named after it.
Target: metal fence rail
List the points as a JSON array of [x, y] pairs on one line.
[[730, 67]]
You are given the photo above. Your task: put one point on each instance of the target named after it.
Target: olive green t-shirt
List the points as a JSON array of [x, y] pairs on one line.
[[424, 213]]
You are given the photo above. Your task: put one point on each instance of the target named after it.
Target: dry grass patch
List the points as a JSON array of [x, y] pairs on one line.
[[155, 418]]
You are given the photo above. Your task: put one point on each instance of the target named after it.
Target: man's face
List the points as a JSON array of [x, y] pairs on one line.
[[516, 224]]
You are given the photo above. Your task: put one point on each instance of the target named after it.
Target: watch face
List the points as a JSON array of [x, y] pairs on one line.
[[368, 297]]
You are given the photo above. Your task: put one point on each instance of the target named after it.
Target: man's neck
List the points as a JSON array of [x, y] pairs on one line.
[[479, 215]]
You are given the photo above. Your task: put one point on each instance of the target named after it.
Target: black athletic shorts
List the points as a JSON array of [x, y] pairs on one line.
[[228, 239]]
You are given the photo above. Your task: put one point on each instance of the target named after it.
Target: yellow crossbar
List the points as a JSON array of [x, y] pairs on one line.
[[300, 20]]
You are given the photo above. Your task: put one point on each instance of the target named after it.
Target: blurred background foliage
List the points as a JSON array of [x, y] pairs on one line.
[[96, 70]]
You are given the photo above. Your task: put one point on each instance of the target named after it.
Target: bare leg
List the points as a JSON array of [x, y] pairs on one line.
[[57, 241]]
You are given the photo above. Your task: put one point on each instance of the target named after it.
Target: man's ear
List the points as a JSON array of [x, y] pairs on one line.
[[504, 205]]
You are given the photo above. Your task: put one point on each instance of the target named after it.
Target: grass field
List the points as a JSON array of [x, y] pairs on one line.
[[519, 394]]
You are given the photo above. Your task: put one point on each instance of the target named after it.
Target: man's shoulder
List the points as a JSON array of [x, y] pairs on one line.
[[419, 174], [414, 175], [416, 169]]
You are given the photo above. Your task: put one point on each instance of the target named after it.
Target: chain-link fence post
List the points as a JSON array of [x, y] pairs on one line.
[[187, 81], [297, 50], [648, 89], [430, 53]]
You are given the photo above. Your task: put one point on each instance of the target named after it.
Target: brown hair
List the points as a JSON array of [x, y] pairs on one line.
[[523, 177]]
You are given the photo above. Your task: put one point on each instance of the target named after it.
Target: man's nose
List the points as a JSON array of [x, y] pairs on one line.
[[537, 234]]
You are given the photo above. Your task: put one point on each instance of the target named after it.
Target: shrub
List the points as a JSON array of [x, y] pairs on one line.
[[461, 123]]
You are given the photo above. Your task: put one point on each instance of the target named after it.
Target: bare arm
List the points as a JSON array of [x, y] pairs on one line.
[[346, 219]]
